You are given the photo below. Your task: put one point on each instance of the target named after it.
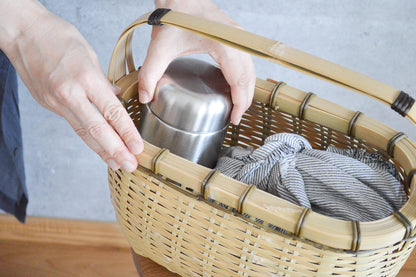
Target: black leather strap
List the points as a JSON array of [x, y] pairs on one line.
[[205, 183], [406, 223], [409, 178], [156, 16], [356, 236], [392, 143], [305, 104], [403, 103], [301, 221], [353, 123]]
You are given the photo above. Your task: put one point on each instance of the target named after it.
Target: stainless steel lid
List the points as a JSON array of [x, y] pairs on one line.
[[193, 96]]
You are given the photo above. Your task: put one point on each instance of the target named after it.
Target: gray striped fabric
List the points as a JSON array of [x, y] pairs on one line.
[[348, 184]]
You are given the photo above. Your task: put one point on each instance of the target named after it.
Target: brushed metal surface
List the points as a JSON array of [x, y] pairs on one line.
[[201, 148], [190, 111], [193, 95]]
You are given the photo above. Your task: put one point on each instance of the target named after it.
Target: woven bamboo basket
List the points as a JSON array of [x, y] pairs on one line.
[[198, 222]]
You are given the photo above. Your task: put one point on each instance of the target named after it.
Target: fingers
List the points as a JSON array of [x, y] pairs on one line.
[[157, 60], [238, 70], [94, 127], [116, 115], [237, 67], [168, 43], [107, 130], [77, 126]]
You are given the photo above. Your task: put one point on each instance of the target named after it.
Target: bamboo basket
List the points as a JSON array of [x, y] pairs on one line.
[[198, 222]]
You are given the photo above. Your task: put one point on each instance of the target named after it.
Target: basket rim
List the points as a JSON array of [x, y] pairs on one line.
[[318, 228], [146, 173]]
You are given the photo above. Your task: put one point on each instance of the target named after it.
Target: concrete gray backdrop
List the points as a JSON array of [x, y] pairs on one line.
[[378, 38]]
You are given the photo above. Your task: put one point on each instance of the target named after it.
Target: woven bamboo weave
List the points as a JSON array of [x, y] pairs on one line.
[[172, 213]]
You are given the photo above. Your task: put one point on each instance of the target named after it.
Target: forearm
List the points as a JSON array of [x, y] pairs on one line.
[[16, 20]]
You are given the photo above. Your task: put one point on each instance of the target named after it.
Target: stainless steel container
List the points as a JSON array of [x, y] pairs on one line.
[[190, 111]]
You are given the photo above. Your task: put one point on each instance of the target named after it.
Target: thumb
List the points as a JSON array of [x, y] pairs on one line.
[[157, 60]]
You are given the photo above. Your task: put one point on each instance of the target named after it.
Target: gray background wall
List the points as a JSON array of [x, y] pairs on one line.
[[378, 38]]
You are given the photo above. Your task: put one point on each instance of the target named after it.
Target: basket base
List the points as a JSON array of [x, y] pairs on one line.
[[148, 268]]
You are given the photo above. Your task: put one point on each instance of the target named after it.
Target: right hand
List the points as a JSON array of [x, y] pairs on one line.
[[63, 74], [170, 42]]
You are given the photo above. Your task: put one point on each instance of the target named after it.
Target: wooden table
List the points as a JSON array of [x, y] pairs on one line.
[[147, 268], [62, 247]]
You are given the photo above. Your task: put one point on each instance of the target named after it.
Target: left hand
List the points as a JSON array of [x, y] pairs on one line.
[[63, 74]]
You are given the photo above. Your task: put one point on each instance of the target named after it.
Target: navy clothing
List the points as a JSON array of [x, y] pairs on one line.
[[13, 193]]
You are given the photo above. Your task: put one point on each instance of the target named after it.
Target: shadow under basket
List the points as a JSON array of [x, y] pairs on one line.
[[199, 222]]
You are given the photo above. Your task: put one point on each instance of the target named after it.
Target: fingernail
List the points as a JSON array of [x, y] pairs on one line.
[[113, 164], [143, 96], [235, 120], [135, 148], [116, 89], [128, 166]]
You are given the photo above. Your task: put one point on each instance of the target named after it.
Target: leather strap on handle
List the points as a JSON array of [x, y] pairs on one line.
[[265, 48]]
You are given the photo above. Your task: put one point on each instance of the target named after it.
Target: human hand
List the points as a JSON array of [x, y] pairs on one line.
[[63, 74], [169, 42]]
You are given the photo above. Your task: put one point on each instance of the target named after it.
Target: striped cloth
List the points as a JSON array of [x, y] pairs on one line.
[[348, 184]]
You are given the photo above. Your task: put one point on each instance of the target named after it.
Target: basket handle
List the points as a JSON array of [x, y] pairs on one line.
[[265, 48]]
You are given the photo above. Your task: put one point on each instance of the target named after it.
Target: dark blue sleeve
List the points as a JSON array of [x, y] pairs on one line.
[[13, 192]]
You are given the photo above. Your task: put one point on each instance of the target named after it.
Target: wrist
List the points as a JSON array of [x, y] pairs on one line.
[[16, 19]]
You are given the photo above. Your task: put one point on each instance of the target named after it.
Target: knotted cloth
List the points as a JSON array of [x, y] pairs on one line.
[[348, 184]]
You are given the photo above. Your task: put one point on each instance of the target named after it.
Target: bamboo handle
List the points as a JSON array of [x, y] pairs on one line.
[[265, 48]]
